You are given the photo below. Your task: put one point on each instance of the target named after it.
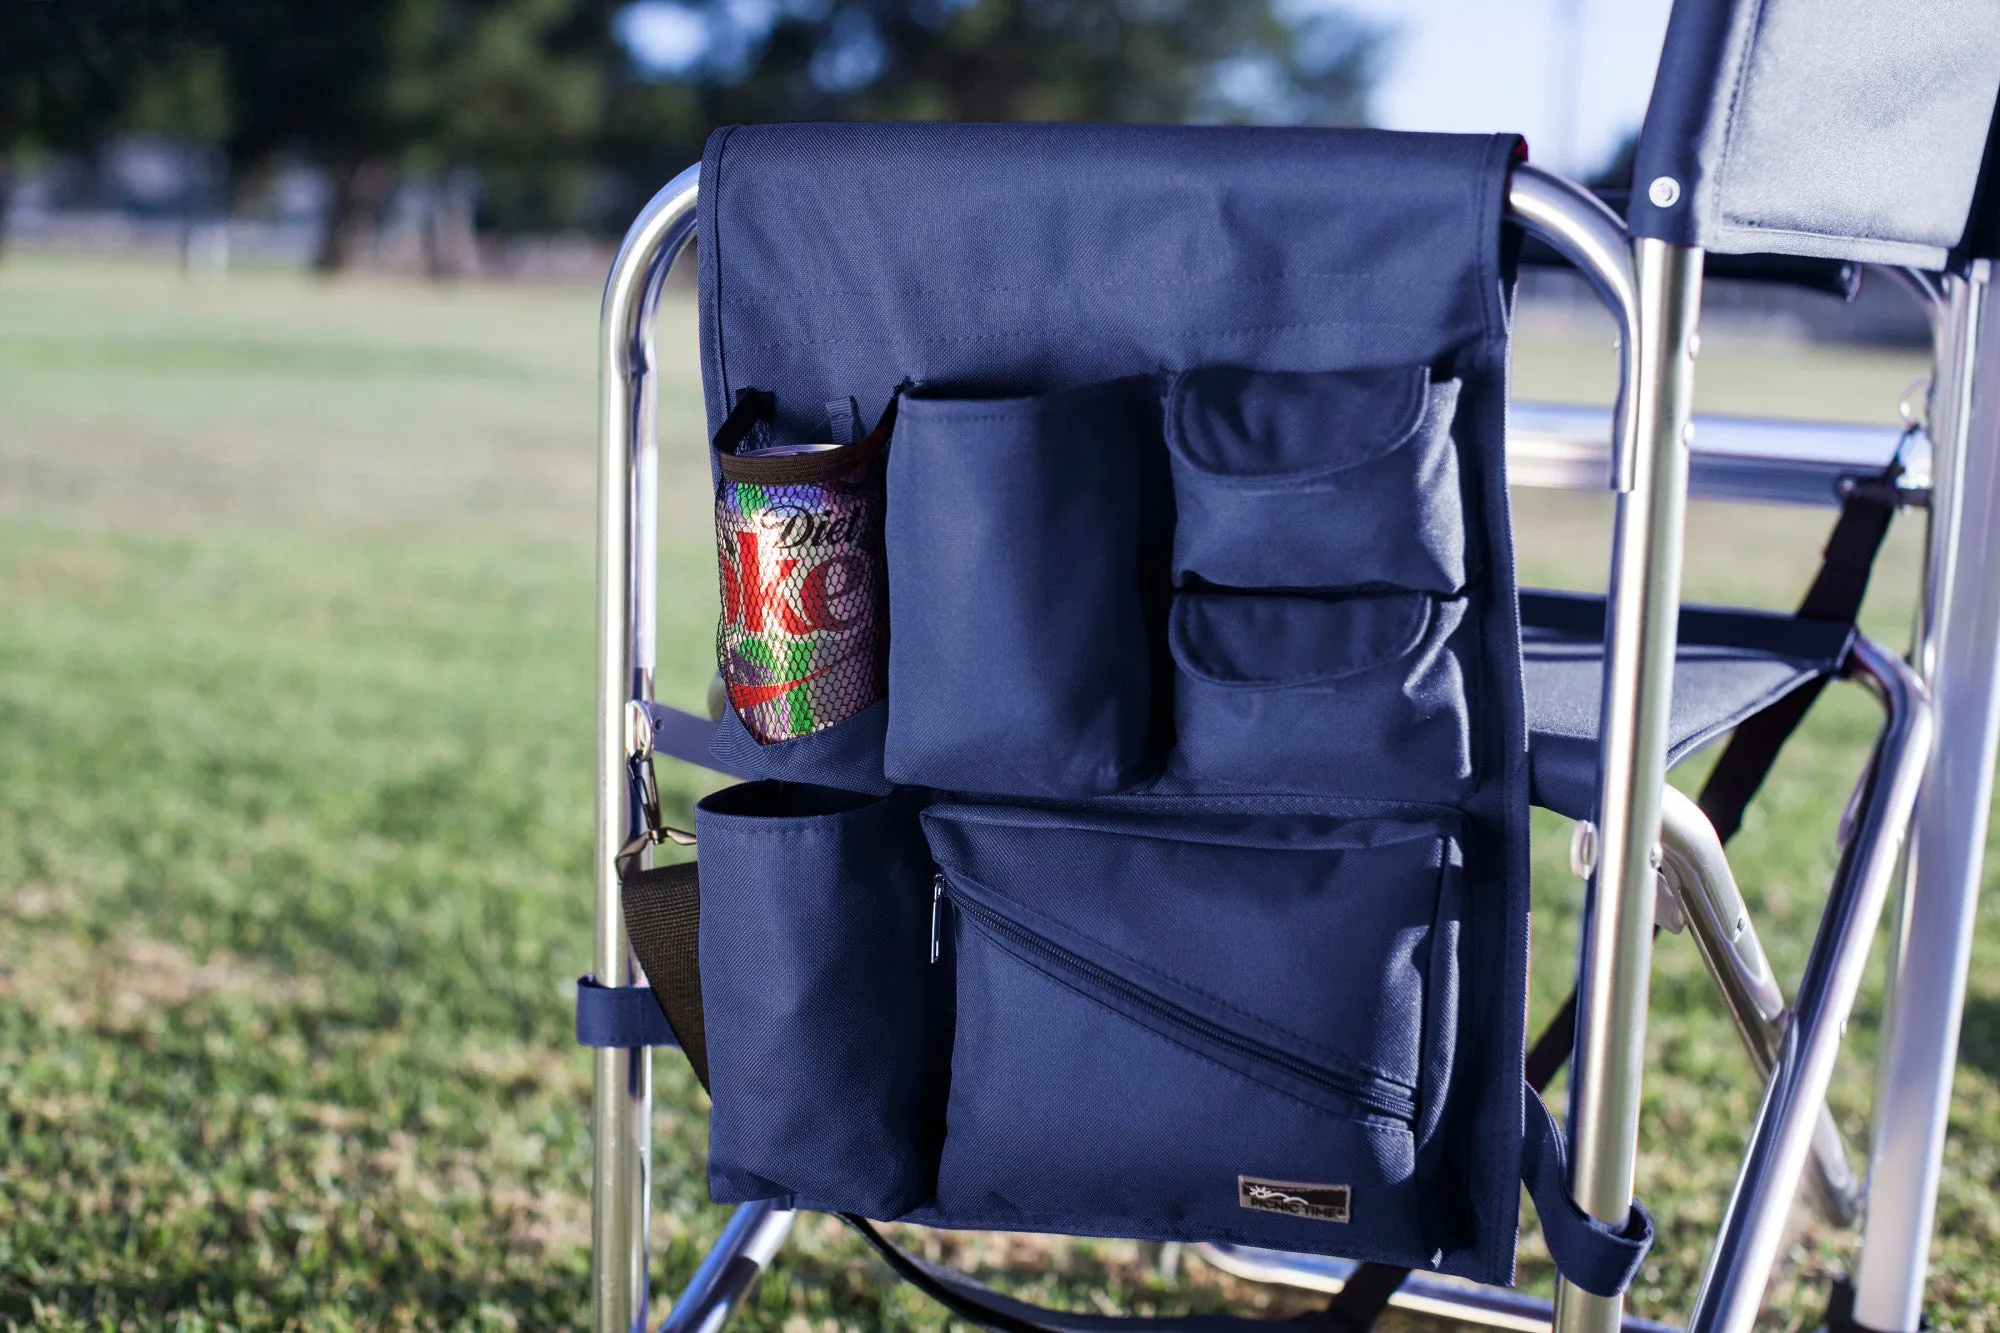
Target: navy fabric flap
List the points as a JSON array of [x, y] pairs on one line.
[[987, 260], [1254, 641], [626, 1017], [847, 754], [1300, 425]]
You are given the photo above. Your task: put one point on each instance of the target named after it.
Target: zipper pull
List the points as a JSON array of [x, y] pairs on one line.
[[937, 913]]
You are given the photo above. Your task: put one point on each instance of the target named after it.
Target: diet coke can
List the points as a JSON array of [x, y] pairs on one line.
[[803, 643]]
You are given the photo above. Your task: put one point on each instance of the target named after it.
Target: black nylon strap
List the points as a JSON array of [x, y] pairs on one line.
[[663, 919], [981, 1305], [1363, 1297], [1836, 594]]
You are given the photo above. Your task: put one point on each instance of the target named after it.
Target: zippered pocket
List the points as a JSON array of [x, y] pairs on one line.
[[1148, 1062], [1350, 1093]]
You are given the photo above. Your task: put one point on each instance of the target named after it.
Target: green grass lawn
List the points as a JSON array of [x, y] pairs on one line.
[[295, 674]]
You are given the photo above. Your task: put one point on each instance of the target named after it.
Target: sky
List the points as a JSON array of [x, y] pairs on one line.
[[1484, 65], [1471, 65]]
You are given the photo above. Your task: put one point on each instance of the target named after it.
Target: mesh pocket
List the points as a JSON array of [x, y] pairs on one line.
[[803, 640]]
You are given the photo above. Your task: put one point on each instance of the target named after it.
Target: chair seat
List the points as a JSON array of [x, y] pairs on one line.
[[1729, 665]]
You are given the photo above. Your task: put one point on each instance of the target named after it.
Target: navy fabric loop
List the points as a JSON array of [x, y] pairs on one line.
[[1593, 1254], [622, 1017]]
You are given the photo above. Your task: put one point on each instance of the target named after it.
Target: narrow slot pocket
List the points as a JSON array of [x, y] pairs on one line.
[[1022, 535], [803, 641], [1350, 696], [825, 1031], [1214, 1029], [1327, 480]]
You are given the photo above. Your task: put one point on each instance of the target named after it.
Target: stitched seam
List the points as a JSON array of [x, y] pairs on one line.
[[954, 418], [1038, 333], [1232, 280], [1181, 651], [1491, 185], [1741, 222], [1379, 811], [1729, 117], [715, 245], [1065, 1223]]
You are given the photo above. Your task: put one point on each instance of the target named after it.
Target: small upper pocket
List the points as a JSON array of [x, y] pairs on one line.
[[1322, 480]]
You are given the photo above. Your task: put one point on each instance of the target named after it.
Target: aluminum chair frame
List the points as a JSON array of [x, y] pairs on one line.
[[1653, 290]]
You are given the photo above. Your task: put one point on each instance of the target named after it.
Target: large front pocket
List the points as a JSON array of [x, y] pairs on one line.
[[1353, 696], [1213, 1028]]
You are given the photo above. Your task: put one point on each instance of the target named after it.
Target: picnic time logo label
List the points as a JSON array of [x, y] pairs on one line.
[[1318, 1203], [803, 642]]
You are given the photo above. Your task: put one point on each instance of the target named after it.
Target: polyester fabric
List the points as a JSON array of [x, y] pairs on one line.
[[1844, 129], [1001, 263], [1728, 665]]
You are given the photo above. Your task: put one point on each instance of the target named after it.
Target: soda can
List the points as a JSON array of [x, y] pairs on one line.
[[803, 643]]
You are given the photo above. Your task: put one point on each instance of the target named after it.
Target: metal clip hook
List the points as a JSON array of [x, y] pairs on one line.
[[646, 782]]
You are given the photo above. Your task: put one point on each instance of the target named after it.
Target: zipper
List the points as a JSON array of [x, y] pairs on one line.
[[937, 913], [1370, 1095]]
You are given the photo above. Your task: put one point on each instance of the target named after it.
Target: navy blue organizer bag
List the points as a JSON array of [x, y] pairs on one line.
[[1178, 889]]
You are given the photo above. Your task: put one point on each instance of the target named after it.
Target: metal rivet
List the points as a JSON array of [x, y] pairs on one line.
[[1665, 192], [1694, 346], [1687, 436]]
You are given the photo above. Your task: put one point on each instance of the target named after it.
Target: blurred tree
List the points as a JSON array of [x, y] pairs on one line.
[[67, 70], [1109, 60], [513, 90], [539, 100], [1132, 60], [312, 78], [373, 90]]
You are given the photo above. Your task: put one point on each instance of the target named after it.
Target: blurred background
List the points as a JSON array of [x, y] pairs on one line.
[[297, 362]]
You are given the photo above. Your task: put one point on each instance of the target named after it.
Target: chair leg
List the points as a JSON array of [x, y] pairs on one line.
[[1753, 1226], [741, 1254], [1960, 640], [627, 546], [1614, 971], [1697, 870]]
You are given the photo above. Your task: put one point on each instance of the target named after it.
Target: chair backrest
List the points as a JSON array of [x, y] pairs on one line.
[[1850, 129]]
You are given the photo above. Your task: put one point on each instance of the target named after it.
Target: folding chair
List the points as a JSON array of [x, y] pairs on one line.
[[1614, 690]]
